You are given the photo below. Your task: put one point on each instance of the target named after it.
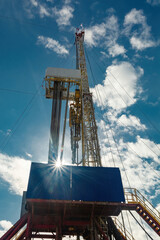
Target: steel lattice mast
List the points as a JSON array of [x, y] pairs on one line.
[[90, 144]]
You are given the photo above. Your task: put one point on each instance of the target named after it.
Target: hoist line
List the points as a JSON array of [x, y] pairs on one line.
[[141, 226], [124, 228], [129, 145], [113, 136], [130, 98], [98, 94], [127, 126], [143, 143], [129, 224], [19, 120]]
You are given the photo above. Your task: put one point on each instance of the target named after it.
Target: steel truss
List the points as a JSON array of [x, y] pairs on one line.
[[90, 144]]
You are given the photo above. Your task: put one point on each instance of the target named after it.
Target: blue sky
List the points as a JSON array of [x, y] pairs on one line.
[[122, 43]]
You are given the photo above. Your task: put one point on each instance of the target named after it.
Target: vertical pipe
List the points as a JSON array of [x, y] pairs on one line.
[[55, 124], [64, 127]]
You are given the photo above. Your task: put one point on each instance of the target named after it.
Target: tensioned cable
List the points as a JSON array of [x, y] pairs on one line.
[[111, 130], [130, 146], [129, 225], [19, 121], [128, 128], [16, 91], [141, 226], [98, 94], [136, 154], [124, 124], [133, 102], [123, 224]]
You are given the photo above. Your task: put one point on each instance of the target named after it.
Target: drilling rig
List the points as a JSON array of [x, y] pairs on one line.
[[82, 199]]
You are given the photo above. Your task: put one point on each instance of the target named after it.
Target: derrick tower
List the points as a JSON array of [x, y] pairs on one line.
[[82, 199], [90, 143]]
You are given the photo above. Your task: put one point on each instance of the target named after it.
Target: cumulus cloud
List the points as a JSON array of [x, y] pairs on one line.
[[121, 78], [53, 45], [63, 15], [47, 8], [33, 7], [130, 121], [140, 38], [146, 148], [131, 158], [136, 156], [106, 34], [4, 226], [94, 34], [116, 50], [43, 11], [15, 171]]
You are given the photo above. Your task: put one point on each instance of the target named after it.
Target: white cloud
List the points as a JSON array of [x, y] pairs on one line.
[[52, 45], [130, 121], [146, 148], [33, 7], [140, 38], [105, 34], [153, 2], [95, 33], [132, 160], [121, 78], [132, 226], [43, 11], [140, 44], [15, 171], [64, 15], [34, 3], [4, 226], [116, 50]]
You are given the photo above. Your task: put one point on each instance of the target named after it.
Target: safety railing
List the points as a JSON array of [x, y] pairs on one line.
[[122, 230], [19, 234], [133, 196]]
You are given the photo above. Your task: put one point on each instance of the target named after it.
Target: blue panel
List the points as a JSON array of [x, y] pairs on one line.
[[98, 184]]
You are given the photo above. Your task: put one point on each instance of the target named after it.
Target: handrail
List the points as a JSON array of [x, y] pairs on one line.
[[122, 230], [19, 234], [133, 196]]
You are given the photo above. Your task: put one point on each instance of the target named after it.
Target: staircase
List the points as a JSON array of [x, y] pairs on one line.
[[102, 229], [123, 231], [108, 227], [144, 208]]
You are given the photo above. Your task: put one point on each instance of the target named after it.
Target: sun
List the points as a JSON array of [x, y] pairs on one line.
[[58, 164]]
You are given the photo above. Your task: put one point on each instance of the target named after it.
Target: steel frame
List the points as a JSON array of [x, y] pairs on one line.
[[90, 143]]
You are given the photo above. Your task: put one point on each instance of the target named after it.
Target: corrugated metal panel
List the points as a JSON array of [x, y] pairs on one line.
[[75, 183], [63, 73]]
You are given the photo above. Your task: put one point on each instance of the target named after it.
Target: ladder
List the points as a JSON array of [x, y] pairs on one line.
[[126, 235]]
